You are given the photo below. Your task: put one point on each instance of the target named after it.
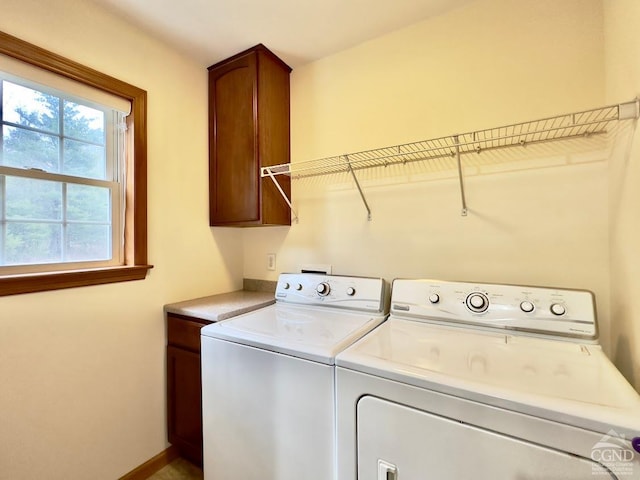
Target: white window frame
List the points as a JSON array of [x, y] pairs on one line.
[[114, 181]]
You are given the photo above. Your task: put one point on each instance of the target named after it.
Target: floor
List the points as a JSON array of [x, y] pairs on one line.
[[179, 469]]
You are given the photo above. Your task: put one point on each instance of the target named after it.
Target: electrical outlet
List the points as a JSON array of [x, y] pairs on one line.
[[271, 261]]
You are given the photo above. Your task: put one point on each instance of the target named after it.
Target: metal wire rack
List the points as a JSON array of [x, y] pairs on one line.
[[587, 123]]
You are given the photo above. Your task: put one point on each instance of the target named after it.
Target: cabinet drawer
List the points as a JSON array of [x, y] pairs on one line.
[[185, 333]]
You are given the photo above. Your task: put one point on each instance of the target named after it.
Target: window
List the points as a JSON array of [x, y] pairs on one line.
[[60, 179], [72, 175]]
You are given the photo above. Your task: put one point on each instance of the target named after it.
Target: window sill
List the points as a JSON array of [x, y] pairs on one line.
[[41, 282]]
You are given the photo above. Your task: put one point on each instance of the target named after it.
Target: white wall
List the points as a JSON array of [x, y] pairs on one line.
[[82, 370], [622, 18], [487, 64]]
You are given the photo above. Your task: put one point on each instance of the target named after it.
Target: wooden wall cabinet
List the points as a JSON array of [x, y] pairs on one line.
[[248, 129], [184, 385]]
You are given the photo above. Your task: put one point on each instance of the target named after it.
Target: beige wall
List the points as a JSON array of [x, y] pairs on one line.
[[82, 370], [487, 64], [622, 18]]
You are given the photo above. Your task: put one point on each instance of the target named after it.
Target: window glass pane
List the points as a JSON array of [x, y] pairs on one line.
[[30, 199], [88, 204], [88, 242], [27, 149], [83, 123], [84, 160], [28, 243], [30, 108], [55, 213]]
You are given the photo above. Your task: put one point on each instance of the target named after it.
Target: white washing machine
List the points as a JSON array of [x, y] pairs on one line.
[[484, 382], [268, 378]]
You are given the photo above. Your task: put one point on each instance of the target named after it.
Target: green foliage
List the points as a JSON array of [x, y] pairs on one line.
[[35, 209], [28, 243], [83, 134]]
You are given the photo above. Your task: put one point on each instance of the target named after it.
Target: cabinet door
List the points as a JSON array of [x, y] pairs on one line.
[[184, 402], [234, 170]]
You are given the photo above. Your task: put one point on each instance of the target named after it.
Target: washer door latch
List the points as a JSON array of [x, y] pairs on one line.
[[387, 471]]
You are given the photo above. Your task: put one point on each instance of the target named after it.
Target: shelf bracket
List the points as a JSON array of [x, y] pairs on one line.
[[355, 179], [460, 178], [266, 171]]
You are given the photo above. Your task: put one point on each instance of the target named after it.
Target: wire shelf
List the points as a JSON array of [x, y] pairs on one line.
[[597, 121], [572, 125]]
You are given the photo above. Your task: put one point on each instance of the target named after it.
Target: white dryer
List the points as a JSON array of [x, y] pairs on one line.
[[268, 378], [484, 382]]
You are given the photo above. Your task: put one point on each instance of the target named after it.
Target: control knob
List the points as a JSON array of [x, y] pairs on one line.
[[285, 286], [434, 298], [477, 302], [351, 291], [299, 287], [526, 306], [558, 309], [323, 289]]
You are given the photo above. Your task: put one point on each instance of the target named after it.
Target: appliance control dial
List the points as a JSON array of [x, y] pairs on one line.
[[526, 306], [285, 286], [351, 291], [558, 309], [323, 289], [477, 302], [434, 298], [299, 287]]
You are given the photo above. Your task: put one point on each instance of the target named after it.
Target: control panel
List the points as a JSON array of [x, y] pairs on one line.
[[356, 293], [540, 310]]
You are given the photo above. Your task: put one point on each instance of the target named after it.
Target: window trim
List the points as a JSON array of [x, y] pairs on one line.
[[135, 233]]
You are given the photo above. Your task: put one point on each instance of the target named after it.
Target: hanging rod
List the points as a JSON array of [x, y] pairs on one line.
[[561, 127]]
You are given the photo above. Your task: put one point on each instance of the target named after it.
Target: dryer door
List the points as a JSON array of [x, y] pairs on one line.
[[401, 443]]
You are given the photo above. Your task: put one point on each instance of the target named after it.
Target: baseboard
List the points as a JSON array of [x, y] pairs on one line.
[[151, 466]]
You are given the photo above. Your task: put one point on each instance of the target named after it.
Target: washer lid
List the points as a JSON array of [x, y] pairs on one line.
[[558, 380], [316, 334]]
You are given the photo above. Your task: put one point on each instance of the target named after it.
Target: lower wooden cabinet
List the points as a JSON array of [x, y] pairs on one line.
[[184, 386]]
